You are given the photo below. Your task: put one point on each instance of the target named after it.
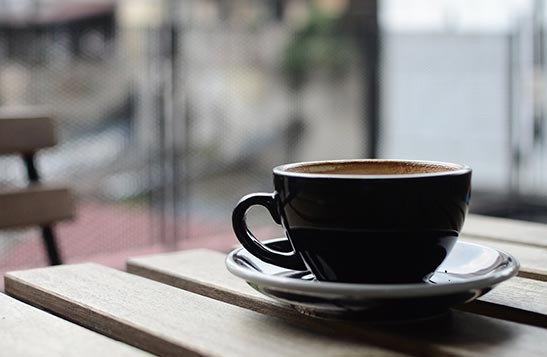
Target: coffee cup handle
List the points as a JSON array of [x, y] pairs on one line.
[[288, 260]]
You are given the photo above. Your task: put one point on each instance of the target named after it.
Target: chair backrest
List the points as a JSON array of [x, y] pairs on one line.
[[37, 205], [24, 132]]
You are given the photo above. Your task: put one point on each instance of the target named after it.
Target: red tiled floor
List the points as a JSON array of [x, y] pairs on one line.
[[109, 234]]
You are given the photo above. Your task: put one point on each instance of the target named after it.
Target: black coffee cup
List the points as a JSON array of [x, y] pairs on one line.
[[363, 221]]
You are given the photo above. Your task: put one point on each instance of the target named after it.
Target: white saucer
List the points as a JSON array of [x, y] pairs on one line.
[[470, 271]]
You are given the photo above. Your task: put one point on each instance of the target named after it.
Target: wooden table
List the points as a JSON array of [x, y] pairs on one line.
[[187, 304]]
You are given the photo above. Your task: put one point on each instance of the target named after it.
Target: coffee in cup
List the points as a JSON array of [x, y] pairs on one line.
[[363, 221]]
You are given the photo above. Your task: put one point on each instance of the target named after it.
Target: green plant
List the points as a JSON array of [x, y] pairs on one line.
[[318, 45]]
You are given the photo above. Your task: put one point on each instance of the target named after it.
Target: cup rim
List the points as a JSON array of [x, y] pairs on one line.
[[281, 170]]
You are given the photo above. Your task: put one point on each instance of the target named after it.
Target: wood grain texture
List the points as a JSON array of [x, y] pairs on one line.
[[518, 299], [27, 331], [502, 229], [25, 131], [533, 259], [172, 322], [36, 205], [203, 272]]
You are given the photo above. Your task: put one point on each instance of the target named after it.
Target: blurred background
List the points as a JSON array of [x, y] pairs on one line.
[[170, 111]]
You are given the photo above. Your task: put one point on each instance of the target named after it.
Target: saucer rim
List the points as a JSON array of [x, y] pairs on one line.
[[506, 270]]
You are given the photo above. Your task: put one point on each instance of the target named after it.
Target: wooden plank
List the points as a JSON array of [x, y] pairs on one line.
[[533, 259], [168, 321], [36, 205], [25, 131], [518, 299], [510, 230], [203, 272], [27, 331]]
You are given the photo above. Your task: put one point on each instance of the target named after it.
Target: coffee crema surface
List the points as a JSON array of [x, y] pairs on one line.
[[372, 167]]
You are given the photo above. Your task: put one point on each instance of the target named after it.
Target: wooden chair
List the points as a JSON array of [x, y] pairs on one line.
[[24, 132]]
